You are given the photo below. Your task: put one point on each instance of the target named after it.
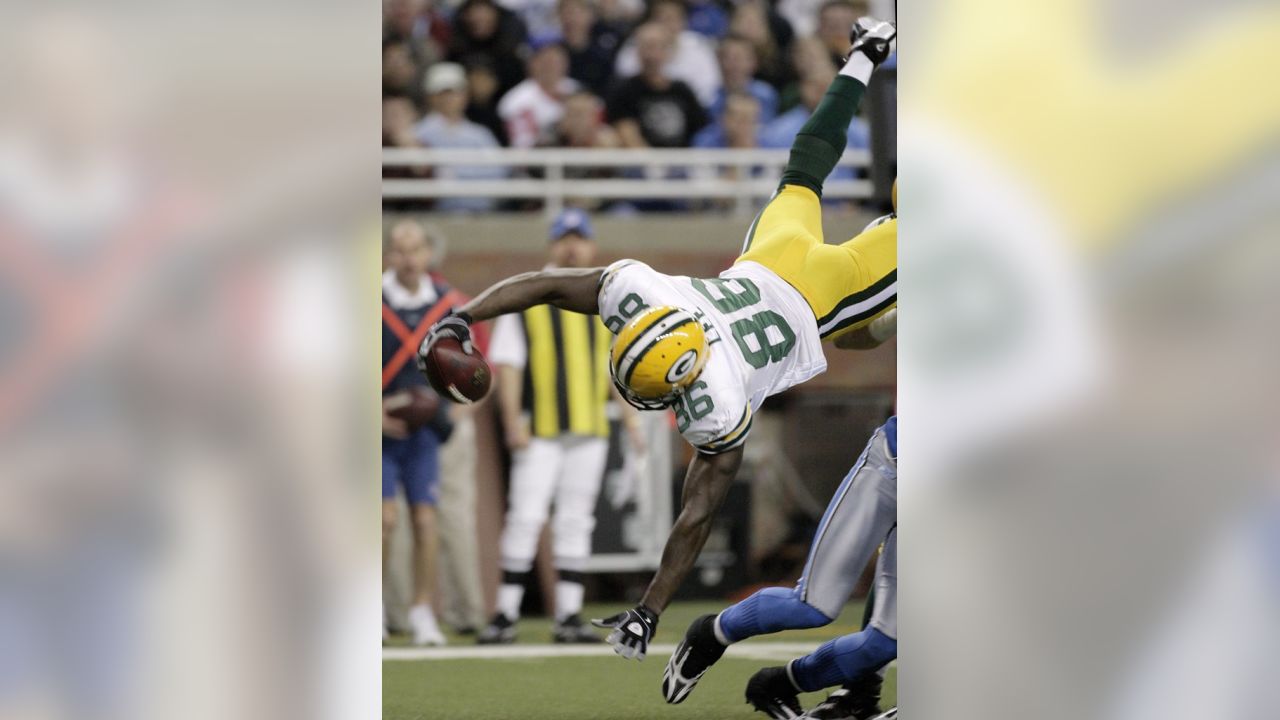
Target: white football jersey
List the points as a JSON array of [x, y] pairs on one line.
[[762, 334]]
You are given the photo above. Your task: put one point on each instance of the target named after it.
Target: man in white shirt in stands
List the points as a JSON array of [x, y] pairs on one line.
[[532, 108]]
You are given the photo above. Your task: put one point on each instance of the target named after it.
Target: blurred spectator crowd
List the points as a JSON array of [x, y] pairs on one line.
[[607, 73]]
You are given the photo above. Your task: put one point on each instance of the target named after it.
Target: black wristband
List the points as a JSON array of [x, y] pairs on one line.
[[463, 315], [648, 614]]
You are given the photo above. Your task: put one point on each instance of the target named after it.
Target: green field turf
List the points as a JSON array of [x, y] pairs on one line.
[[581, 688]]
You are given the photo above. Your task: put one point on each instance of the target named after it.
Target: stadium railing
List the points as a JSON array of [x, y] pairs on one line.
[[547, 174]]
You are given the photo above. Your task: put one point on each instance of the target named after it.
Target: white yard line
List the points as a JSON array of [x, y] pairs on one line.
[[750, 650]]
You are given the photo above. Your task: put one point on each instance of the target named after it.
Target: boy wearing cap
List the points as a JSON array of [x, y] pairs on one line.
[[553, 388], [447, 126]]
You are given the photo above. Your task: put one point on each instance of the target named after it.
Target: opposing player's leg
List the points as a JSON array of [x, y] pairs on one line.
[[859, 698], [884, 618], [858, 661], [856, 521], [533, 475], [571, 526], [867, 650], [773, 690], [858, 518], [836, 661]]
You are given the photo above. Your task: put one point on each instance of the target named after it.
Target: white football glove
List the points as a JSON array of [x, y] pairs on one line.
[[456, 325], [876, 39], [631, 631]]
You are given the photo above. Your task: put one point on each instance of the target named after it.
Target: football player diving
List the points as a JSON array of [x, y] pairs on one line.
[[713, 349]]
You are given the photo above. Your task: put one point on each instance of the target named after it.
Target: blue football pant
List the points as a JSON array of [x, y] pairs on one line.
[[861, 513]]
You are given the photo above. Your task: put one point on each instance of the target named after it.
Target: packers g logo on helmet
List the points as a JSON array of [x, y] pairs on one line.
[[656, 355]]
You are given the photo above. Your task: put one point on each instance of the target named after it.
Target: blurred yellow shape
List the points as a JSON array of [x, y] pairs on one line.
[[1107, 131]]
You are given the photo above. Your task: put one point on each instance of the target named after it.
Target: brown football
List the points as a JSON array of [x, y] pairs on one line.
[[456, 375], [417, 406]]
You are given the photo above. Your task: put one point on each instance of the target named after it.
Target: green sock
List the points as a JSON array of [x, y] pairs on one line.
[[820, 143]]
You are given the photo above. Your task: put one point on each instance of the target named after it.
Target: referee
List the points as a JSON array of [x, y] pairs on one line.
[[553, 389]]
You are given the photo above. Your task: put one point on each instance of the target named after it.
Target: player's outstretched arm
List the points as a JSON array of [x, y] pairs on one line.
[[705, 487], [572, 289]]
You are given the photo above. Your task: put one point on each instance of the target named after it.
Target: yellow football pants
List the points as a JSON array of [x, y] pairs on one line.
[[847, 285]]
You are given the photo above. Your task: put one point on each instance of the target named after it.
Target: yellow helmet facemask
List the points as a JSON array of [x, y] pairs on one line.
[[656, 355]]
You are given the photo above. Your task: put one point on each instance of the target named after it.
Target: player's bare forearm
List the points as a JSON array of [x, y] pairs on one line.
[[571, 289], [705, 486]]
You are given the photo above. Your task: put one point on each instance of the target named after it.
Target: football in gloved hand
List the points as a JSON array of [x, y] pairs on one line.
[[454, 374]]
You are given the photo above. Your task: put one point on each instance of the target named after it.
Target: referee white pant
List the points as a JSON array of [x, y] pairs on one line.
[[567, 470]]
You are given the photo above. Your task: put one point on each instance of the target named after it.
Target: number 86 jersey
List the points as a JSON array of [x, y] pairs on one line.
[[762, 335]]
